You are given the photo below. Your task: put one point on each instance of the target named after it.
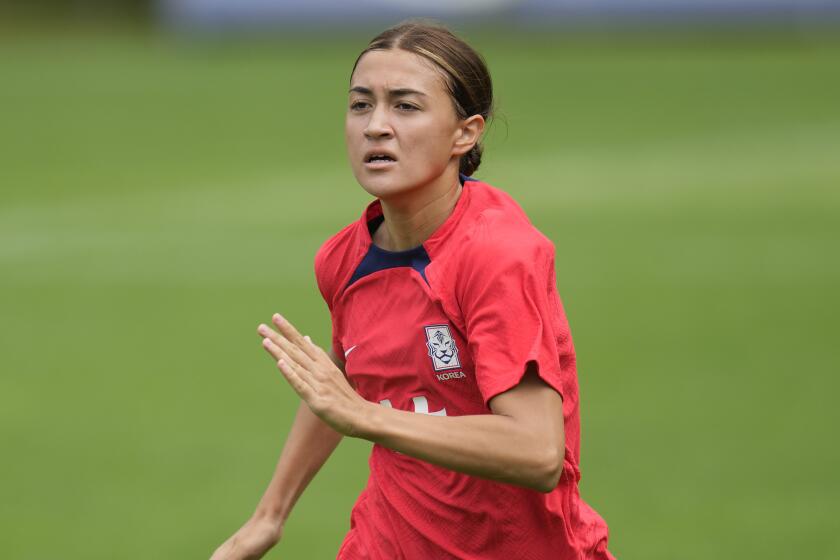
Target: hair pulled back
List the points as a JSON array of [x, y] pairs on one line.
[[466, 76]]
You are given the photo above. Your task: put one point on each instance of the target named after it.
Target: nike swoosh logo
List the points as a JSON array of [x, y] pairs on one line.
[[347, 352]]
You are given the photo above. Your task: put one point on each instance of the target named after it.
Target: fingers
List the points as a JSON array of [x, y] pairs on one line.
[[294, 374], [296, 381], [319, 352], [290, 332], [294, 351], [280, 348]]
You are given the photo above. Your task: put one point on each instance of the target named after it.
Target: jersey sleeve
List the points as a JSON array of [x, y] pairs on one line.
[[513, 315], [326, 278]]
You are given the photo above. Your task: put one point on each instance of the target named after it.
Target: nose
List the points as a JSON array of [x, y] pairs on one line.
[[377, 125]]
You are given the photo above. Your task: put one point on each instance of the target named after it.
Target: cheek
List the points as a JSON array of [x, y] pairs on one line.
[[352, 136], [348, 130], [430, 141]]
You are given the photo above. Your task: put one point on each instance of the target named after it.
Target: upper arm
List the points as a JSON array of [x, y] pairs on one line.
[[537, 406], [512, 314]]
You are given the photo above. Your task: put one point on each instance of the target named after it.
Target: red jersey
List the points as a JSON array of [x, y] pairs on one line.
[[441, 329]]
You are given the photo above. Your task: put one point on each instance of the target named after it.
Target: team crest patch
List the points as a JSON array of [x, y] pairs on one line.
[[442, 347]]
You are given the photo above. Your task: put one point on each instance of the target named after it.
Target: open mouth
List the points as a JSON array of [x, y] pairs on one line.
[[373, 158], [379, 161]]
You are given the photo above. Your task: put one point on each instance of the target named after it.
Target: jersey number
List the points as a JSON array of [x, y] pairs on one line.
[[421, 406]]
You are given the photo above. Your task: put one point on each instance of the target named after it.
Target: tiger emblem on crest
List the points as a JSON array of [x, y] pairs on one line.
[[441, 347]]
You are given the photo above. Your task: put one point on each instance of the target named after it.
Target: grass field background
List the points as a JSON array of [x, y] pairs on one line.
[[160, 197]]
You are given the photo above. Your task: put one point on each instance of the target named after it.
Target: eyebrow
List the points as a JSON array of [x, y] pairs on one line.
[[391, 92]]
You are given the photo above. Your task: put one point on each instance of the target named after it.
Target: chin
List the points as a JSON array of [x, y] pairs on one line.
[[385, 185]]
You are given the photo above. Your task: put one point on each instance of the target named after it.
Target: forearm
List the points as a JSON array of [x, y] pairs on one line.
[[490, 446], [522, 442], [309, 444]]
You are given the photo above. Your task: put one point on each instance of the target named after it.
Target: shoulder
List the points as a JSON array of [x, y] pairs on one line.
[[336, 245], [501, 234], [499, 251], [332, 259]]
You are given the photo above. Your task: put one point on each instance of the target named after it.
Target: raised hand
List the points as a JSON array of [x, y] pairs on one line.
[[314, 376]]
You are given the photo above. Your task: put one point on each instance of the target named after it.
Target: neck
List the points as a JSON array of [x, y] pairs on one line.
[[414, 217]]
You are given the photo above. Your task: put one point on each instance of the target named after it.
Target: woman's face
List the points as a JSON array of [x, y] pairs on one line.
[[399, 107]]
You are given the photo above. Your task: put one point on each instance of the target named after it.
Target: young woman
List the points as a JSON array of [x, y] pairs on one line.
[[450, 352]]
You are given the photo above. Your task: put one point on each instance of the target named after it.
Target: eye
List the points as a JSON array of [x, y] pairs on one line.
[[357, 105], [406, 107]]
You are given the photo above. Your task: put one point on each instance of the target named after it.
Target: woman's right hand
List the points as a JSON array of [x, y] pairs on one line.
[[251, 541]]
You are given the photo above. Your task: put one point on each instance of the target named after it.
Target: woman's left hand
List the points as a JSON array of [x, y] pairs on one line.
[[314, 376]]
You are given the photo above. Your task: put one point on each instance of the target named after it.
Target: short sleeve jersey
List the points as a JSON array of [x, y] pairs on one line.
[[441, 329]]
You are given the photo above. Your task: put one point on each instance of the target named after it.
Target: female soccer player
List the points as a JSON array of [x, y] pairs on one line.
[[450, 352]]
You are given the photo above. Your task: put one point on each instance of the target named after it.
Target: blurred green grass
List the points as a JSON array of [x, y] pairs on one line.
[[160, 197]]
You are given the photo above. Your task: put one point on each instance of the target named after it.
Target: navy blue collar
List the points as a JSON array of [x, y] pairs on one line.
[[378, 258]]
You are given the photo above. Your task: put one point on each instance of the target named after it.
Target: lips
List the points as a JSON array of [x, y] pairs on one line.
[[379, 159]]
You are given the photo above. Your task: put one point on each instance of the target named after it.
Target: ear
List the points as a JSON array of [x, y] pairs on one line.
[[468, 133]]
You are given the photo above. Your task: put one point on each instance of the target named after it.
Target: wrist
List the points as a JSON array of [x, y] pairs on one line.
[[270, 516], [368, 421]]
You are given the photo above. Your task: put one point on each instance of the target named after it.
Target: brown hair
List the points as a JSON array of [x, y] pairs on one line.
[[464, 70]]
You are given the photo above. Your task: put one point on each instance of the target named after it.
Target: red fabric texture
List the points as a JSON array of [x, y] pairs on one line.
[[447, 344]]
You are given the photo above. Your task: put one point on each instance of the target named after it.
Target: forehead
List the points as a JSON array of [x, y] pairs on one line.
[[396, 68]]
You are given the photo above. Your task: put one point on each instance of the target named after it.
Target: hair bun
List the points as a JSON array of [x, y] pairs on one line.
[[471, 160]]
